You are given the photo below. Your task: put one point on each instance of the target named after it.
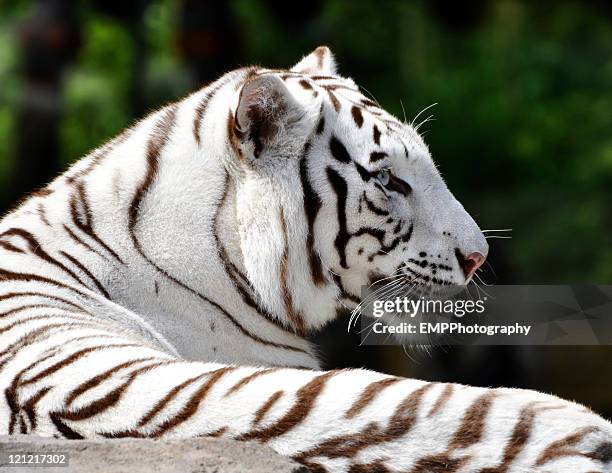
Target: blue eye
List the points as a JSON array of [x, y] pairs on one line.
[[383, 176]]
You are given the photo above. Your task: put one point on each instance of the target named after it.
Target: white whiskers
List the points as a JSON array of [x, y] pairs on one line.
[[421, 112]]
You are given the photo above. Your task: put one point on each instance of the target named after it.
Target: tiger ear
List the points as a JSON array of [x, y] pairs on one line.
[[321, 61], [266, 115]]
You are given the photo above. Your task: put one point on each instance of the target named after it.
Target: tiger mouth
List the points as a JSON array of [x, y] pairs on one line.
[[427, 279]]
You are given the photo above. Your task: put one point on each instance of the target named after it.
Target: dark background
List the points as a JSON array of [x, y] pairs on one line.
[[522, 129]]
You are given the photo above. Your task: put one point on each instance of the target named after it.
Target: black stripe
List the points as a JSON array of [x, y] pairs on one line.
[[79, 241], [10, 295], [209, 95], [84, 221], [158, 140], [321, 125], [376, 134], [338, 150], [72, 358], [36, 249], [30, 406], [63, 429], [78, 264], [341, 189], [42, 213], [372, 207], [312, 205], [6, 275], [357, 116], [10, 247], [380, 236], [363, 172], [377, 156]]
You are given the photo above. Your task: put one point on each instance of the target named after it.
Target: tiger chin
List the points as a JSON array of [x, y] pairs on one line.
[[165, 284]]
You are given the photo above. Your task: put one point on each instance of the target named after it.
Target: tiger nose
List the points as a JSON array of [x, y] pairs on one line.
[[469, 264]]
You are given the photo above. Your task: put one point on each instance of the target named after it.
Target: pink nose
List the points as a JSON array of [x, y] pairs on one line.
[[469, 263]]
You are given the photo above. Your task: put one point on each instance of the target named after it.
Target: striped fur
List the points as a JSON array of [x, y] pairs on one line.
[[164, 285]]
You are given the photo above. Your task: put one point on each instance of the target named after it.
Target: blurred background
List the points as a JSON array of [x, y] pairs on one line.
[[522, 130]]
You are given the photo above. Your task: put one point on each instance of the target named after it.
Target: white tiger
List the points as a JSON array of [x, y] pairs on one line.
[[163, 287]]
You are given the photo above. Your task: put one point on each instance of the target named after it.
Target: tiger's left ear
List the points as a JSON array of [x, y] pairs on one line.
[[321, 61]]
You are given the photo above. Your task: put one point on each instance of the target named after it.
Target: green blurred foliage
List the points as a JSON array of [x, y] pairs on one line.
[[522, 121], [9, 83], [98, 89]]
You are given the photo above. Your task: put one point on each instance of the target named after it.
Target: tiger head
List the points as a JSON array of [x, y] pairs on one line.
[[353, 191]]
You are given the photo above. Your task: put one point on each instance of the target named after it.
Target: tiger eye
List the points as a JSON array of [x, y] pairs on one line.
[[384, 176]]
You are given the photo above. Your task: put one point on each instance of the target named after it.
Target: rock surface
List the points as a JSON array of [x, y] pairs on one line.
[[145, 456]]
